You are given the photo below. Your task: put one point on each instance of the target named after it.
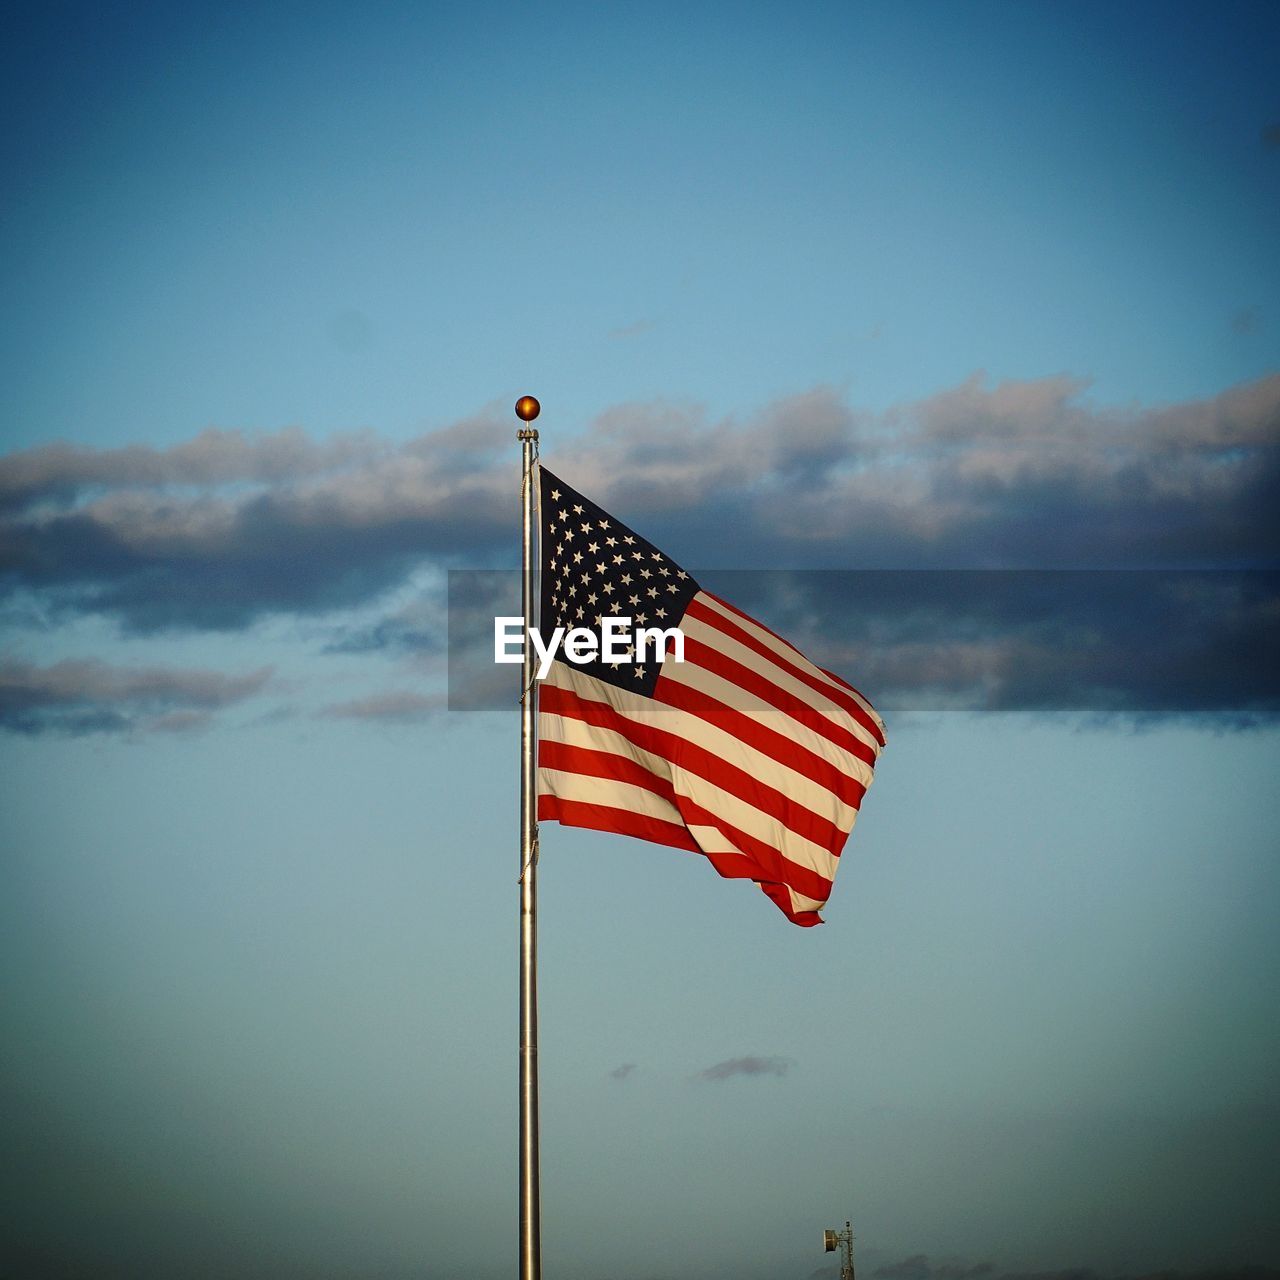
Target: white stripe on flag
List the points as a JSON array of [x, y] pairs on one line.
[[726, 746], [729, 647], [788, 653], [767, 827]]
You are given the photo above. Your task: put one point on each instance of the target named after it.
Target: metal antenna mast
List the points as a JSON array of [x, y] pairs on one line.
[[842, 1240]]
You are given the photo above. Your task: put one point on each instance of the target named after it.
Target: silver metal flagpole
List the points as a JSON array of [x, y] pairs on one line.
[[527, 408]]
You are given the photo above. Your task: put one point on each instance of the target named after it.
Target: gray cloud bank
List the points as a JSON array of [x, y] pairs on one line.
[[397, 706], [1138, 643], [215, 533], [230, 526], [87, 697]]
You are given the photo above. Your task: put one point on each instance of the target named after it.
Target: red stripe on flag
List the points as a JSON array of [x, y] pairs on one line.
[[777, 746], [757, 858], [722, 624], [781, 899], [603, 817], [602, 764], [703, 655], [770, 864], [782, 640], [625, 822], [755, 622], [698, 760]]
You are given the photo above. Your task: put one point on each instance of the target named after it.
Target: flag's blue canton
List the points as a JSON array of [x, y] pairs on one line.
[[594, 567]]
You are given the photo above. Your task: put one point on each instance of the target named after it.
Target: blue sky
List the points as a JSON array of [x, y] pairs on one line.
[[874, 287]]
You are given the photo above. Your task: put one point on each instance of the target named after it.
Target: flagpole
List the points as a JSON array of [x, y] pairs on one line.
[[527, 408]]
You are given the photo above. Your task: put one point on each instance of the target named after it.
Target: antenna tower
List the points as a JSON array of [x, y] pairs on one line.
[[842, 1240]]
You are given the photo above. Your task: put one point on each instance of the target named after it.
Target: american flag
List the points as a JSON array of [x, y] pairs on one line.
[[745, 752]]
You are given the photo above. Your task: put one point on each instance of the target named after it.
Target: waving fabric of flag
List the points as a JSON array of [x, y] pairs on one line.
[[745, 751]]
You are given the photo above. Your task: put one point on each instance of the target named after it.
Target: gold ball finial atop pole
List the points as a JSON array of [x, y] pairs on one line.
[[527, 408]]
